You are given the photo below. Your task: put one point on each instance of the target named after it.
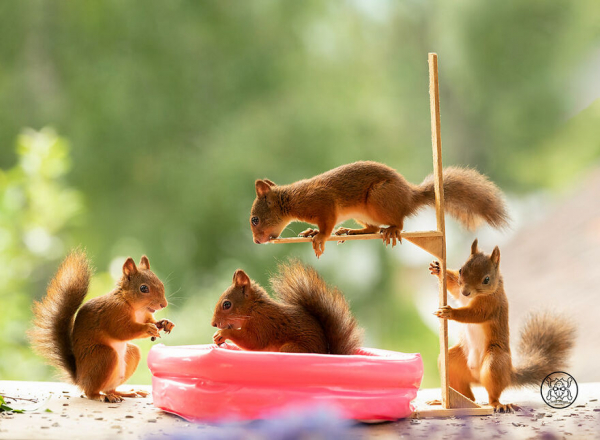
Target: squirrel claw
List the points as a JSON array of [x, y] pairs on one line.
[[391, 235], [342, 231], [444, 312], [508, 408], [310, 232], [112, 398], [152, 330], [318, 245], [218, 337], [166, 325], [434, 268]]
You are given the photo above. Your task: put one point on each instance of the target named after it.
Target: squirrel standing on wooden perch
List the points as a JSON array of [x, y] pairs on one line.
[[93, 349], [483, 353], [374, 195]]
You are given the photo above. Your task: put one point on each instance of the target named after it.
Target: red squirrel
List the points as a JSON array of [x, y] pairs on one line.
[[483, 353], [374, 195], [89, 342], [307, 316]]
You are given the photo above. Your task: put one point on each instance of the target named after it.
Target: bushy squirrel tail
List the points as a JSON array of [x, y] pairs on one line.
[[546, 342], [299, 284], [469, 196], [54, 315]]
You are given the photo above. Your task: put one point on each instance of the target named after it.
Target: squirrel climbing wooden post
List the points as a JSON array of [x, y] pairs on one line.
[[453, 403]]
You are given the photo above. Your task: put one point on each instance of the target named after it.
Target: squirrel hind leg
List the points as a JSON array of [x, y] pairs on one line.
[[495, 378], [459, 375], [368, 229], [132, 359], [291, 347]]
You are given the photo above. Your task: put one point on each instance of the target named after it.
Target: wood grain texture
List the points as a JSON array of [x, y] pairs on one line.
[[436, 145], [457, 400]]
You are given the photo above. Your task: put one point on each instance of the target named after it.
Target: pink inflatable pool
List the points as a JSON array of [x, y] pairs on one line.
[[209, 383]]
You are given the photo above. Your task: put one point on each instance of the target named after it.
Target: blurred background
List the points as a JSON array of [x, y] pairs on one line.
[[139, 127]]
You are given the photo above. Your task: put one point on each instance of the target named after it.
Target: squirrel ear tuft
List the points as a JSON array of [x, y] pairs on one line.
[[495, 257], [269, 182], [144, 263], [129, 268], [474, 248], [262, 188], [240, 279]]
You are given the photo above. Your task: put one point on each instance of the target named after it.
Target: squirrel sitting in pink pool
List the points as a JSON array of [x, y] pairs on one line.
[[308, 316]]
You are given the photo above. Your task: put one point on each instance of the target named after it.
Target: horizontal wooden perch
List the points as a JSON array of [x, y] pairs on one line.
[[407, 235], [430, 241]]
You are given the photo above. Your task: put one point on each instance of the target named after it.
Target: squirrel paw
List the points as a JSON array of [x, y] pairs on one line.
[[444, 312], [131, 393], [166, 325], [318, 243], [343, 231], [112, 398], [391, 234], [508, 408], [218, 337], [152, 330], [308, 233], [434, 268]]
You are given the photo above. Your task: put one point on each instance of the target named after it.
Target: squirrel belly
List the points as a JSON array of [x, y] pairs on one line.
[[89, 342], [306, 315], [376, 196]]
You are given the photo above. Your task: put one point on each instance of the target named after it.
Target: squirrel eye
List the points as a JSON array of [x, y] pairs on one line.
[[226, 305], [486, 280], [144, 288], [254, 221], [459, 272]]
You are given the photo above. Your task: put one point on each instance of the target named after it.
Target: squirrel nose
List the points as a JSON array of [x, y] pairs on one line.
[[164, 304], [257, 241], [214, 324]]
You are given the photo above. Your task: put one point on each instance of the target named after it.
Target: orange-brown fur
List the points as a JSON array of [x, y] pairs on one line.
[[545, 341], [307, 317], [373, 194], [92, 348]]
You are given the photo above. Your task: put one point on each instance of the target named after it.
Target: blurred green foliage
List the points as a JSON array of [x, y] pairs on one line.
[[36, 207], [173, 109]]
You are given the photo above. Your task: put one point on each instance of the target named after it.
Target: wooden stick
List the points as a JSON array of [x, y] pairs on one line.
[[436, 145], [355, 237]]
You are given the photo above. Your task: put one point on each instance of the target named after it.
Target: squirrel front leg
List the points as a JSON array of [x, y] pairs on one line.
[[326, 226], [452, 285], [134, 330], [478, 311], [164, 324], [241, 338]]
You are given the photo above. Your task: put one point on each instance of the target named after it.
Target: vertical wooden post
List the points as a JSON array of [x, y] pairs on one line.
[[436, 144]]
